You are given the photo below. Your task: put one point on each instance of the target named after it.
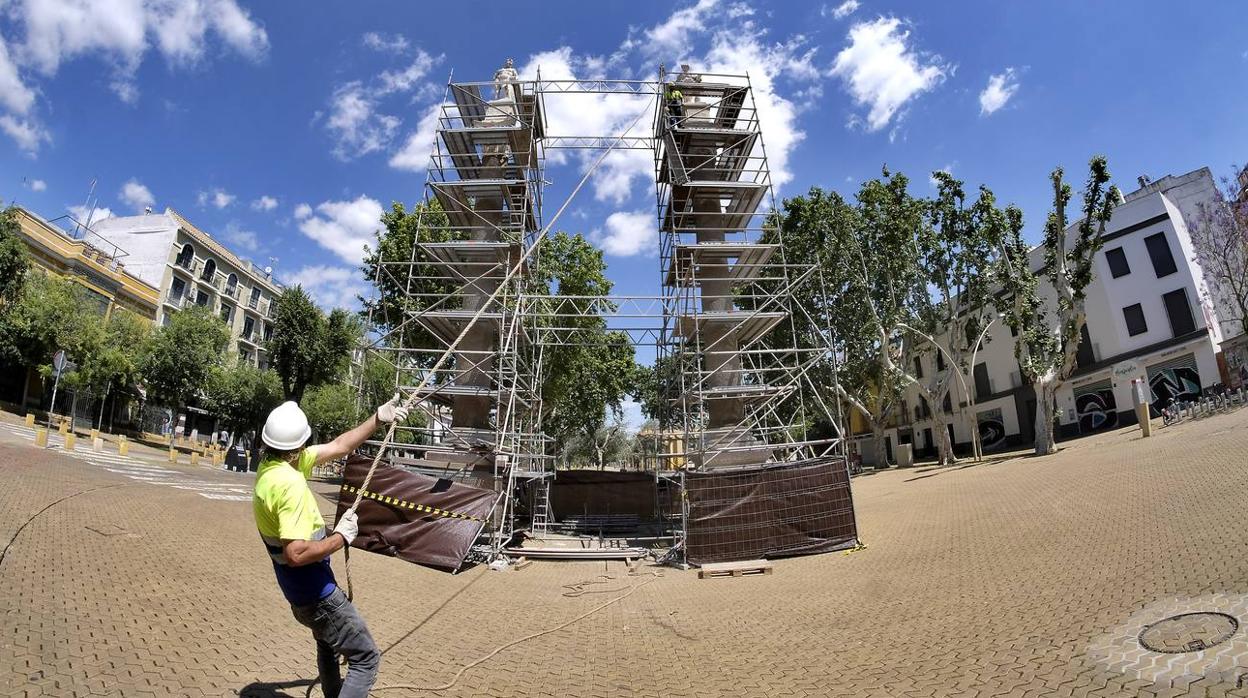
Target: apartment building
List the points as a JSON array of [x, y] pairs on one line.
[[190, 267], [95, 264], [1150, 315]]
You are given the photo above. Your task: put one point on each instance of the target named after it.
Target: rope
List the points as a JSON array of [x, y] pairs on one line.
[[36, 515], [533, 636], [414, 397]]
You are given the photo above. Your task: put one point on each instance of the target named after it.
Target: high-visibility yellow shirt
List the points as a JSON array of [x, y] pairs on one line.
[[285, 510]]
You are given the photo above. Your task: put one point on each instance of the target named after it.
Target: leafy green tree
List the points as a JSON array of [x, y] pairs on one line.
[[242, 395], [14, 261], [397, 295], [331, 409], [587, 369], [110, 362], [654, 387], [49, 314], [308, 348], [180, 359], [1046, 345]]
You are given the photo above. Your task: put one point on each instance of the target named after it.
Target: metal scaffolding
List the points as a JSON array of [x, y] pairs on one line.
[[741, 398]]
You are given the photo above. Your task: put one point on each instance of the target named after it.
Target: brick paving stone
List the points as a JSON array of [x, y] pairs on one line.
[[996, 579]]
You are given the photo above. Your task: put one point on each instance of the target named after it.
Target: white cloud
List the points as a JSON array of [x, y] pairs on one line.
[[404, 80], [27, 133], [414, 155], [357, 126], [80, 214], [38, 185], [882, 72], [842, 10], [136, 195], [343, 227], [264, 203], [302, 211], [15, 96], [219, 198], [673, 33], [331, 287], [119, 33], [628, 233], [1001, 87], [237, 236], [379, 41]]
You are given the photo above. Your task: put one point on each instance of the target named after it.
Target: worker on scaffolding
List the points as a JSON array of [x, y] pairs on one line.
[[293, 531], [675, 105]]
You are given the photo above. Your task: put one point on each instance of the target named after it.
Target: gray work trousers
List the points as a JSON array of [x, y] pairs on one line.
[[339, 630]]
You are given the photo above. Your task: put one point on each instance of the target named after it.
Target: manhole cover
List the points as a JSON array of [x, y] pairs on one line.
[[1188, 632]]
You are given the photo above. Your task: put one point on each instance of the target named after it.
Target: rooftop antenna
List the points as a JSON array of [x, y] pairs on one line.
[[89, 207]]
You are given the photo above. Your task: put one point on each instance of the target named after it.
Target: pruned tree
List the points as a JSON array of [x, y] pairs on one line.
[[307, 347], [242, 395], [1048, 335], [1220, 239]]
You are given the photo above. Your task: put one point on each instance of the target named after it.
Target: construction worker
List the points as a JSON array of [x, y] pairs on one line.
[[675, 105], [291, 526]]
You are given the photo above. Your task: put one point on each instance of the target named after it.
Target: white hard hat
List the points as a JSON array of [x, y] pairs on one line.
[[286, 428]]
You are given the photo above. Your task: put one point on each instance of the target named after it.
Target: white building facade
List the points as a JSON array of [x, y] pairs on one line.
[[191, 268], [1150, 316]]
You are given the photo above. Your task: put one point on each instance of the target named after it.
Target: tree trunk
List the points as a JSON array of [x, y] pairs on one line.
[[1046, 393], [877, 442], [944, 445]]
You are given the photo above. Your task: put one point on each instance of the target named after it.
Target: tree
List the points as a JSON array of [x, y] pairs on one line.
[[49, 314], [307, 348], [331, 409], [1220, 240], [403, 289], [14, 262], [242, 396], [110, 362], [180, 359], [1046, 346], [586, 369]]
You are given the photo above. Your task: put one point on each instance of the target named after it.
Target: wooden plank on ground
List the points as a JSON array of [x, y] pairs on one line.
[[734, 569]]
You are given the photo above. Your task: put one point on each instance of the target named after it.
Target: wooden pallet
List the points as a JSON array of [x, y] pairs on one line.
[[734, 569]]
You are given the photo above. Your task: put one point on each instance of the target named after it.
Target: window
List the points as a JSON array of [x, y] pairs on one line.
[[1159, 252], [1085, 355], [177, 290], [940, 360], [244, 355], [983, 385], [1179, 312], [255, 298], [922, 409], [210, 270], [1134, 315], [947, 405], [231, 285], [918, 367], [268, 332], [249, 326], [186, 256], [201, 299], [227, 314], [1118, 262]]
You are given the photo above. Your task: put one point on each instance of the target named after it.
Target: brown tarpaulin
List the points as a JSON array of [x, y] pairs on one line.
[[602, 493], [795, 509], [425, 520]]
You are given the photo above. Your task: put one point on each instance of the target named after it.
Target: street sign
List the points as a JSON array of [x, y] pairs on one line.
[[59, 360]]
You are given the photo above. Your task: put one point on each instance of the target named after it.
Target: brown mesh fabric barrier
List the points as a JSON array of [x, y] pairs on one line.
[[769, 512], [415, 517], [602, 493]]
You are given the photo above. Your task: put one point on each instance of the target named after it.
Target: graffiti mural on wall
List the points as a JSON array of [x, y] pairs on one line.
[[991, 428], [1096, 407], [1174, 380]]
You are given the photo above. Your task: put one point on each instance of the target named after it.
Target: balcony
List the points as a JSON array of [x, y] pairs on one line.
[[253, 303], [178, 301], [187, 264]]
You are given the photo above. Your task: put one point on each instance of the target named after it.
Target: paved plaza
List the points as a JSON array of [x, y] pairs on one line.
[[1020, 577]]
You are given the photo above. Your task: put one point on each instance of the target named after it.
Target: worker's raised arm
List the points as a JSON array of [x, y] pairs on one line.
[[351, 440]]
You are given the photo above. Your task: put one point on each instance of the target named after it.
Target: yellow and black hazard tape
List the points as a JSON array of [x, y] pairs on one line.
[[396, 502]]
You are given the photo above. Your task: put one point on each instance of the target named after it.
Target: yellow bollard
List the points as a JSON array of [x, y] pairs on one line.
[[41, 438], [97, 445], [30, 420], [123, 446], [71, 441], [63, 427], [95, 434], [173, 455], [194, 458]]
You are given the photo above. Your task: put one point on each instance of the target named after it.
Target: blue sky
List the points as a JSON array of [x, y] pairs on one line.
[[283, 128]]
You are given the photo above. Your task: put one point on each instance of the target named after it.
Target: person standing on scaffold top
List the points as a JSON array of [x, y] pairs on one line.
[[675, 105], [293, 531]]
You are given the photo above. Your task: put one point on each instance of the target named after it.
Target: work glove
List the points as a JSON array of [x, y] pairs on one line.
[[348, 526], [392, 411]]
